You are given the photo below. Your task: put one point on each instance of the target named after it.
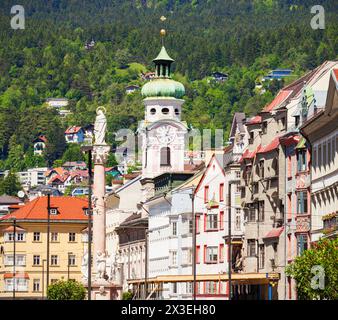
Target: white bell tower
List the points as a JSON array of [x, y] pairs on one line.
[[162, 132]]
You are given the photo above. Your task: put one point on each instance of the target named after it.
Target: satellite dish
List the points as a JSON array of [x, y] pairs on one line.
[[21, 194]]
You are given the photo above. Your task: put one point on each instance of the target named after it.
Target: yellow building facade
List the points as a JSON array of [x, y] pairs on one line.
[[68, 243]]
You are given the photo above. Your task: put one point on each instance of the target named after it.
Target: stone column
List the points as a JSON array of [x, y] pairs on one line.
[[100, 155], [102, 288]]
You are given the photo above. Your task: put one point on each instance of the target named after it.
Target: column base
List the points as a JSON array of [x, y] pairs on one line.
[[106, 291]]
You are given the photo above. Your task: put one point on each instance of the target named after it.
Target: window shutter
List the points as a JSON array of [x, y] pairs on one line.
[[197, 224], [198, 254], [205, 222], [221, 218], [205, 254], [206, 194], [221, 252]]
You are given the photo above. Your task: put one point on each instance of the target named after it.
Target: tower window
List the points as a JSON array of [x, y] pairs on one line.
[[177, 112], [152, 111], [165, 110], [165, 156]]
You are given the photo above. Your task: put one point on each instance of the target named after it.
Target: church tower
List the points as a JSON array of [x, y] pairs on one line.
[[162, 132]]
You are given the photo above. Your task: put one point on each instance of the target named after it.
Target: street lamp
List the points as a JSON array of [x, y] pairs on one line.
[[88, 149], [14, 256], [193, 218]]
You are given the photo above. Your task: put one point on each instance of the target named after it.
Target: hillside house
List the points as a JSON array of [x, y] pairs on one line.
[[74, 134]]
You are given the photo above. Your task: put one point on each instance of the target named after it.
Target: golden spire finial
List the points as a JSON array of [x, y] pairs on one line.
[[163, 32]]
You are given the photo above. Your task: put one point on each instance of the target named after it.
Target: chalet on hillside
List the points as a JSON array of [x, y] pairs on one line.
[[132, 88], [57, 103], [277, 74], [219, 76], [39, 144], [74, 134]]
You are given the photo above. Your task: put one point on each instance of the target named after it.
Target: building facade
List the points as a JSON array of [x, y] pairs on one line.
[[32, 177], [321, 131], [68, 243]]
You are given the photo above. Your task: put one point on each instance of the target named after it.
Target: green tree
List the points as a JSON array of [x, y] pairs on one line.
[[127, 295], [122, 57], [73, 153], [10, 185], [325, 255], [66, 290], [15, 160]]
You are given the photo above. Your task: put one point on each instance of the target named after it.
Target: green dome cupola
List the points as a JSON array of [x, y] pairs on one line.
[[162, 85]]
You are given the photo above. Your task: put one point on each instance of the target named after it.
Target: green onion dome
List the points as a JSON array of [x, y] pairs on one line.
[[162, 85], [163, 88]]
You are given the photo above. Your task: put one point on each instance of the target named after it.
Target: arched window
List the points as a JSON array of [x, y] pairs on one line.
[[165, 156], [152, 111]]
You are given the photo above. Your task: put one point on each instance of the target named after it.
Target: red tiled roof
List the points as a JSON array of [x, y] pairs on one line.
[[255, 120], [21, 275], [250, 155], [69, 208], [59, 170], [42, 138], [280, 98], [274, 144], [274, 233], [58, 177], [73, 129]]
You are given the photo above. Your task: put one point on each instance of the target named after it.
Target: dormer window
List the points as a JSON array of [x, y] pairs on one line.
[[53, 211]]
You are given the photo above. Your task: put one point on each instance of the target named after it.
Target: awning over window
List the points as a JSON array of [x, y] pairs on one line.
[[11, 229], [274, 144], [274, 233], [18, 275]]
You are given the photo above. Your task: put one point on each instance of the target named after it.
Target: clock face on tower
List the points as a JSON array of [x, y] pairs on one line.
[[166, 134]]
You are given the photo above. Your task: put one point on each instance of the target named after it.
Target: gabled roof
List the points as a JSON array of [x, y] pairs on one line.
[[73, 129], [69, 208], [41, 138], [5, 199], [237, 121], [213, 158], [59, 170], [280, 98]]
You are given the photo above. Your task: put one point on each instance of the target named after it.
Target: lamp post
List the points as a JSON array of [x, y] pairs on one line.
[[48, 237], [229, 243], [14, 256], [193, 218], [88, 149]]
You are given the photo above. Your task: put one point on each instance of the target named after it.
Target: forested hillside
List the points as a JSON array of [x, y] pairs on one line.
[[245, 39]]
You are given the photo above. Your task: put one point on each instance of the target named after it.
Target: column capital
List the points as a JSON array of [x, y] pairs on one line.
[[100, 154]]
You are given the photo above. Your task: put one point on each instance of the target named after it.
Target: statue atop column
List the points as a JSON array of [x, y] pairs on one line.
[[100, 126]]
